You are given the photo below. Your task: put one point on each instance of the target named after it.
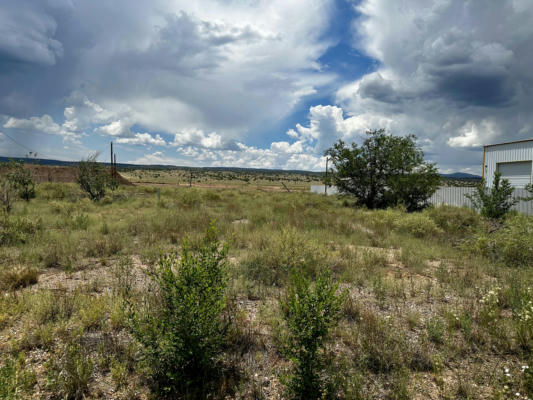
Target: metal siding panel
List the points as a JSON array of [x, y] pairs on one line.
[[506, 153], [455, 196]]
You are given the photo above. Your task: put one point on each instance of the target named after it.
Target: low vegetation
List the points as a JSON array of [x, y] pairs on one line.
[[298, 295]]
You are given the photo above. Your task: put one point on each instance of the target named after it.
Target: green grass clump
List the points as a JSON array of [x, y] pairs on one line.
[[16, 380], [283, 252], [17, 277], [70, 372]]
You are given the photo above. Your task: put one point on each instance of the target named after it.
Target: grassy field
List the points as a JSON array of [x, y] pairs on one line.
[[249, 179], [439, 304]]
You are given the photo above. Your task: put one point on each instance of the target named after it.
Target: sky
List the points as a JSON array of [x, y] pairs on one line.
[[262, 83]]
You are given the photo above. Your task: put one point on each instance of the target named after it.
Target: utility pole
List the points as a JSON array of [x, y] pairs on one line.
[[326, 178], [111, 158], [115, 164]]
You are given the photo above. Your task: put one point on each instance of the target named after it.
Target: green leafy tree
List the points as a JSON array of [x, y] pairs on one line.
[[496, 201], [384, 171], [182, 327], [7, 194], [309, 311], [93, 178], [21, 180]]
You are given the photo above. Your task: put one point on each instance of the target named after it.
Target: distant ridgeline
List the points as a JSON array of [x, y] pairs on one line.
[[454, 179], [126, 167], [460, 179]]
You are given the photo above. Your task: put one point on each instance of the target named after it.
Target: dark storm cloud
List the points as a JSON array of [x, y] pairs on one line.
[[456, 73]]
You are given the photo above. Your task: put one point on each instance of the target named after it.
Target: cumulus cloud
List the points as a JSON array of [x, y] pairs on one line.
[[457, 74], [143, 139], [196, 137], [43, 124]]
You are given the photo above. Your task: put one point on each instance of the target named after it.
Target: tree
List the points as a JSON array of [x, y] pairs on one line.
[[496, 201], [93, 177], [384, 171], [7, 194], [21, 180]]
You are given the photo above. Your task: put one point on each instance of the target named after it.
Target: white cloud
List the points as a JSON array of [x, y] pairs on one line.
[[475, 134], [158, 158], [43, 124], [142, 139], [118, 128], [196, 137]]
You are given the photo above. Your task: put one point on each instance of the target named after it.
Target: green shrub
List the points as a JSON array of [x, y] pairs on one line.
[[454, 220], [494, 201], [22, 180], [93, 178], [182, 328], [512, 244], [417, 224], [436, 330], [16, 379], [70, 372], [15, 230], [309, 312]]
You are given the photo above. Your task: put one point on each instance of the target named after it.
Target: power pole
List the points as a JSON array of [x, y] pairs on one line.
[[112, 159], [326, 178], [115, 164]]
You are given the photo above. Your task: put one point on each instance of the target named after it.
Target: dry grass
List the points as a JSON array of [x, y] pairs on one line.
[[427, 317]]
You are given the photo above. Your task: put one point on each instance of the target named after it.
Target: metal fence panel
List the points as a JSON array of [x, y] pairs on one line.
[[454, 196]]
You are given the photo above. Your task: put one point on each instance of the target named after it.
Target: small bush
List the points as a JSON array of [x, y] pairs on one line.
[[436, 330], [494, 201], [309, 311], [15, 378], [15, 230], [418, 224], [18, 277], [454, 220], [512, 244], [182, 328], [70, 372], [22, 180], [93, 178]]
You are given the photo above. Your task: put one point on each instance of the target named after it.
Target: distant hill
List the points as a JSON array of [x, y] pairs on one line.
[[123, 166], [42, 161], [461, 175]]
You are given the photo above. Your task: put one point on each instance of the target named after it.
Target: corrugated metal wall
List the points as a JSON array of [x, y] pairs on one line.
[[453, 196], [506, 153]]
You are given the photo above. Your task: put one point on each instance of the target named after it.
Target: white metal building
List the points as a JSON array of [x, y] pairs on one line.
[[513, 160]]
